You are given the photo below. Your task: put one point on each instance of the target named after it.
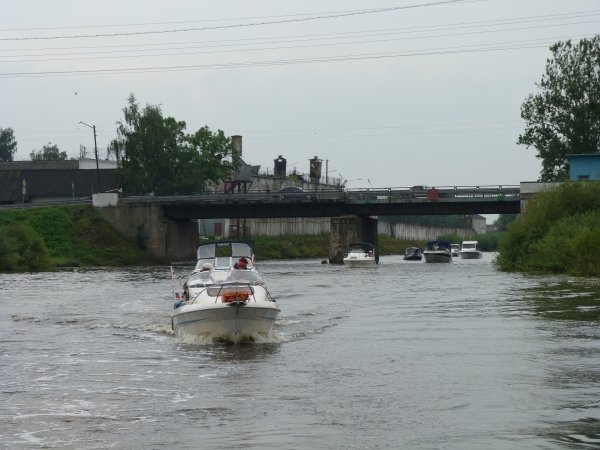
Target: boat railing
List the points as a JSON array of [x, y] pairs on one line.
[[231, 289]]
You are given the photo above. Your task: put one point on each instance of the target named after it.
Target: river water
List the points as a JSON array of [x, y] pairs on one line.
[[404, 355]]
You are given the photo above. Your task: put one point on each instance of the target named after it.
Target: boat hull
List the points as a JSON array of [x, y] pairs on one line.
[[470, 255], [437, 257], [226, 321], [359, 262]]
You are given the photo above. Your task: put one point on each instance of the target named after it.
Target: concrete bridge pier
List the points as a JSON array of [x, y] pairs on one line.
[[348, 229], [165, 239]]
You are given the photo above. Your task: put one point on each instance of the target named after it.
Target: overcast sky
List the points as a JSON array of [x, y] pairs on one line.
[[388, 93]]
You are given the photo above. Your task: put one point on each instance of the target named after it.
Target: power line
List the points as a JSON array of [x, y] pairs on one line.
[[308, 37], [333, 133], [243, 25], [515, 45], [320, 44], [128, 25]]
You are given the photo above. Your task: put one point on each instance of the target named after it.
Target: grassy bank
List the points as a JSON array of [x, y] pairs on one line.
[[62, 236], [46, 238]]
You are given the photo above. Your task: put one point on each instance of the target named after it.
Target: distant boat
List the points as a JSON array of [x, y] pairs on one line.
[[413, 254], [470, 250], [437, 252], [455, 249], [360, 254]]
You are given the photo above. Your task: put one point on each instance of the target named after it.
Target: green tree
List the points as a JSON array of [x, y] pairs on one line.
[[503, 220], [49, 152], [564, 118], [8, 144], [155, 155], [214, 150]]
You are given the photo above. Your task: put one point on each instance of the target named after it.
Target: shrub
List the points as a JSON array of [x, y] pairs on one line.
[[559, 233], [22, 249]]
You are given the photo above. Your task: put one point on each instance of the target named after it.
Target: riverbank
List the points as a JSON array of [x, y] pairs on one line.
[[52, 237], [559, 233], [47, 238]]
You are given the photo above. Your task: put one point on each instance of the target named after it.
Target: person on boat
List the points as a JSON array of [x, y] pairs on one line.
[[242, 264], [206, 267]]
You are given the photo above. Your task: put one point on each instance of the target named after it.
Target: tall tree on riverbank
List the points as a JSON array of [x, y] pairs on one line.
[[8, 145], [564, 118], [155, 155]]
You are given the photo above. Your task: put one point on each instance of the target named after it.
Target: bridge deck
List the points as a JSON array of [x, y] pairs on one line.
[[365, 202]]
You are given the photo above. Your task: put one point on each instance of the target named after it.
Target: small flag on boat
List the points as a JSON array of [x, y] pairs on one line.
[[176, 292]]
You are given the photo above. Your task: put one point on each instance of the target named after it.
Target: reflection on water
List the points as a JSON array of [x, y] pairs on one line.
[[583, 433], [570, 313], [577, 300]]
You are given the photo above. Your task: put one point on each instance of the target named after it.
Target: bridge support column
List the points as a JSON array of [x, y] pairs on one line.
[[166, 240], [348, 229]]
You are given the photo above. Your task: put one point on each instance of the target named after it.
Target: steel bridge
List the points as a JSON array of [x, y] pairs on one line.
[[359, 202]]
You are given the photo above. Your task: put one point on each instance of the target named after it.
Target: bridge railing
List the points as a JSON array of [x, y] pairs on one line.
[[415, 193]]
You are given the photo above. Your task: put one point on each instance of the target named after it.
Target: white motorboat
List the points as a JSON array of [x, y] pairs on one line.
[[470, 250], [223, 300], [437, 252], [455, 249], [360, 254]]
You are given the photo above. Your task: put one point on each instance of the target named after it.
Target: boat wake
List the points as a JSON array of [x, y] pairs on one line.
[[229, 338]]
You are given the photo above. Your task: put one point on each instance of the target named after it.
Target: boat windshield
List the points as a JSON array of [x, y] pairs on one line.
[[224, 249], [223, 255], [250, 277], [438, 245], [201, 279], [244, 277]]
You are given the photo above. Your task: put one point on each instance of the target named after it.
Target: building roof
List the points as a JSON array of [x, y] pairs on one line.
[[67, 164], [47, 181]]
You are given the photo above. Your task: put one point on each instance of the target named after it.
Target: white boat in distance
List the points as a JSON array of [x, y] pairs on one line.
[[361, 254], [437, 252], [225, 297], [455, 249], [470, 250]]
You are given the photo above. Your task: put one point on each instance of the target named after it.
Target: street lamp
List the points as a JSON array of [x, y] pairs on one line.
[[93, 127]]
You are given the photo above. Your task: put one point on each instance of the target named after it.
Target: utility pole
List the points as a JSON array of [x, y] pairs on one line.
[[93, 127]]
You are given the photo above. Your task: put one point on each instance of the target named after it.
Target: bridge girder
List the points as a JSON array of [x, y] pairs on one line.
[[184, 210]]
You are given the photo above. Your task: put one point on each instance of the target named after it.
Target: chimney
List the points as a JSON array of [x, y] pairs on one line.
[[236, 140], [280, 166]]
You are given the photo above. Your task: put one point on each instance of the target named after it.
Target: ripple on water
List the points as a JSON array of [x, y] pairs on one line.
[[404, 356]]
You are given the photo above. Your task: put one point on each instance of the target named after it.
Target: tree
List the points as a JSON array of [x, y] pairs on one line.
[[214, 151], [8, 145], [49, 152], [155, 155], [503, 221], [564, 118]]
